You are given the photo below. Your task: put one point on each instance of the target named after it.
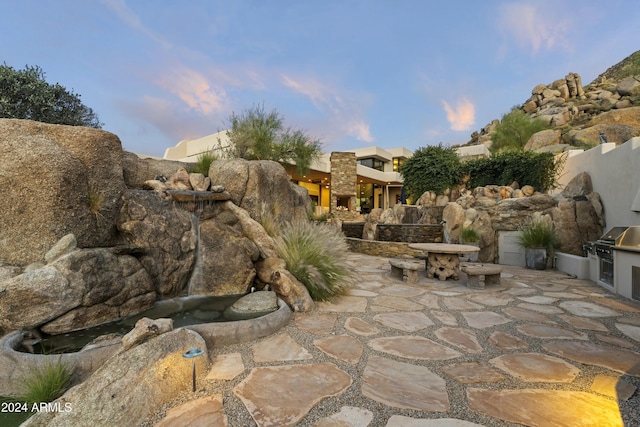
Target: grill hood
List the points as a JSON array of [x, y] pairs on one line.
[[630, 238]]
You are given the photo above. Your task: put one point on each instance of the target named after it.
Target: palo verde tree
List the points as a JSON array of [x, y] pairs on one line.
[[256, 134], [433, 168], [514, 130], [25, 94]]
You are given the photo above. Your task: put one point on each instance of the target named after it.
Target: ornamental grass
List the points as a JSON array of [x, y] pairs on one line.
[[47, 382], [316, 254]]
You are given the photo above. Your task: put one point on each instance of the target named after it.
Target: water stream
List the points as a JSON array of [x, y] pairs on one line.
[[185, 310]]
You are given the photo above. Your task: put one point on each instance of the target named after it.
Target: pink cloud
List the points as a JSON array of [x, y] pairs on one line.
[[194, 89], [462, 117], [344, 113], [529, 26]]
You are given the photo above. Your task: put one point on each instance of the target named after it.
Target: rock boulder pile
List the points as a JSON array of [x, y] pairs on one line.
[[91, 234], [579, 114]]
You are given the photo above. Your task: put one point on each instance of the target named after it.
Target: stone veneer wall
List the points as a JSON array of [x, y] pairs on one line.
[[353, 229], [344, 178], [410, 233], [383, 249]]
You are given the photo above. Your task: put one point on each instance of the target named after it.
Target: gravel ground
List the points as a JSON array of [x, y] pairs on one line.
[[238, 415]]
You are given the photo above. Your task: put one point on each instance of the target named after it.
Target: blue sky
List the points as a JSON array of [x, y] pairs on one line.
[[352, 73]]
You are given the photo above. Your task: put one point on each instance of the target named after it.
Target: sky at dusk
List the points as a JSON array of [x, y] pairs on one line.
[[352, 73]]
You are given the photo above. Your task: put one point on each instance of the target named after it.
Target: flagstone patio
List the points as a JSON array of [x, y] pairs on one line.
[[540, 349]]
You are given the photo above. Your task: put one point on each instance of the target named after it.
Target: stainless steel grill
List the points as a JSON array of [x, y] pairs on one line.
[[603, 248], [630, 239]]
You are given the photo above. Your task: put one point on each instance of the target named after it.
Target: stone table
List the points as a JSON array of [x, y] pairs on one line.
[[443, 259]]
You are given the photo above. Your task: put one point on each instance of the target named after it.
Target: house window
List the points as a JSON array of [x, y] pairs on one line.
[[372, 163], [397, 162]]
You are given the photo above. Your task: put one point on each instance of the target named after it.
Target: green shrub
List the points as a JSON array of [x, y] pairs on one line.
[[538, 233], [514, 130], [469, 235], [316, 254], [47, 382], [203, 163], [432, 168], [540, 170]]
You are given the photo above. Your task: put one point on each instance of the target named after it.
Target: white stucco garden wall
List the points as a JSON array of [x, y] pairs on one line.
[[615, 174]]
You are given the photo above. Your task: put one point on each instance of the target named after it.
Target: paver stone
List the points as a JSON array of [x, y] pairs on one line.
[[278, 396], [587, 309], [413, 347], [342, 347], [472, 372], [462, 338], [613, 386], [360, 327], [535, 367], [226, 367], [484, 319], [205, 411], [316, 323], [278, 348], [616, 359], [538, 407], [505, 341], [402, 421], [404, 385], [550, 332], [410, 321]]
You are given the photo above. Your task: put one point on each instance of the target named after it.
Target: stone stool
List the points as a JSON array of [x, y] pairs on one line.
[[482, 274], [405, 270]]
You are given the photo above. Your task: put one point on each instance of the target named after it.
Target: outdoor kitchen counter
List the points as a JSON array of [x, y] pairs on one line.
[[626, 248], [443, 259]]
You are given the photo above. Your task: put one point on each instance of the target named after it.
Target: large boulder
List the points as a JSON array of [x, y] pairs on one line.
[[580, 185], [225, 261], [618, 133], [629, 86], [564, 219], [509, 214], [83, 288], [543, 139], [483, 226], [453, 218], [626, 116], [274, 271], [132, 385], [59, 180], [168, 236], [254, 183], [137, 169]]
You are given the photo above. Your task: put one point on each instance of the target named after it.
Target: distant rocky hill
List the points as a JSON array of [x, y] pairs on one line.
[[577, 114]]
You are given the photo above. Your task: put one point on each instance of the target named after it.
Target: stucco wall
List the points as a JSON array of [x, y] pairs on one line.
[[615, 174]]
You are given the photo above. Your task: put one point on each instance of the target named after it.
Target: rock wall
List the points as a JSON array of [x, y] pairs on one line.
[[577, 213], [382, 249], [343, 178], [409, 233]]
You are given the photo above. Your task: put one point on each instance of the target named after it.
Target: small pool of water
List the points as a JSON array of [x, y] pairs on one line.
[[185, 311]]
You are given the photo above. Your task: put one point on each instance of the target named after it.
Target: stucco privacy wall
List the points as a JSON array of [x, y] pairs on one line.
[[615, 174]]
